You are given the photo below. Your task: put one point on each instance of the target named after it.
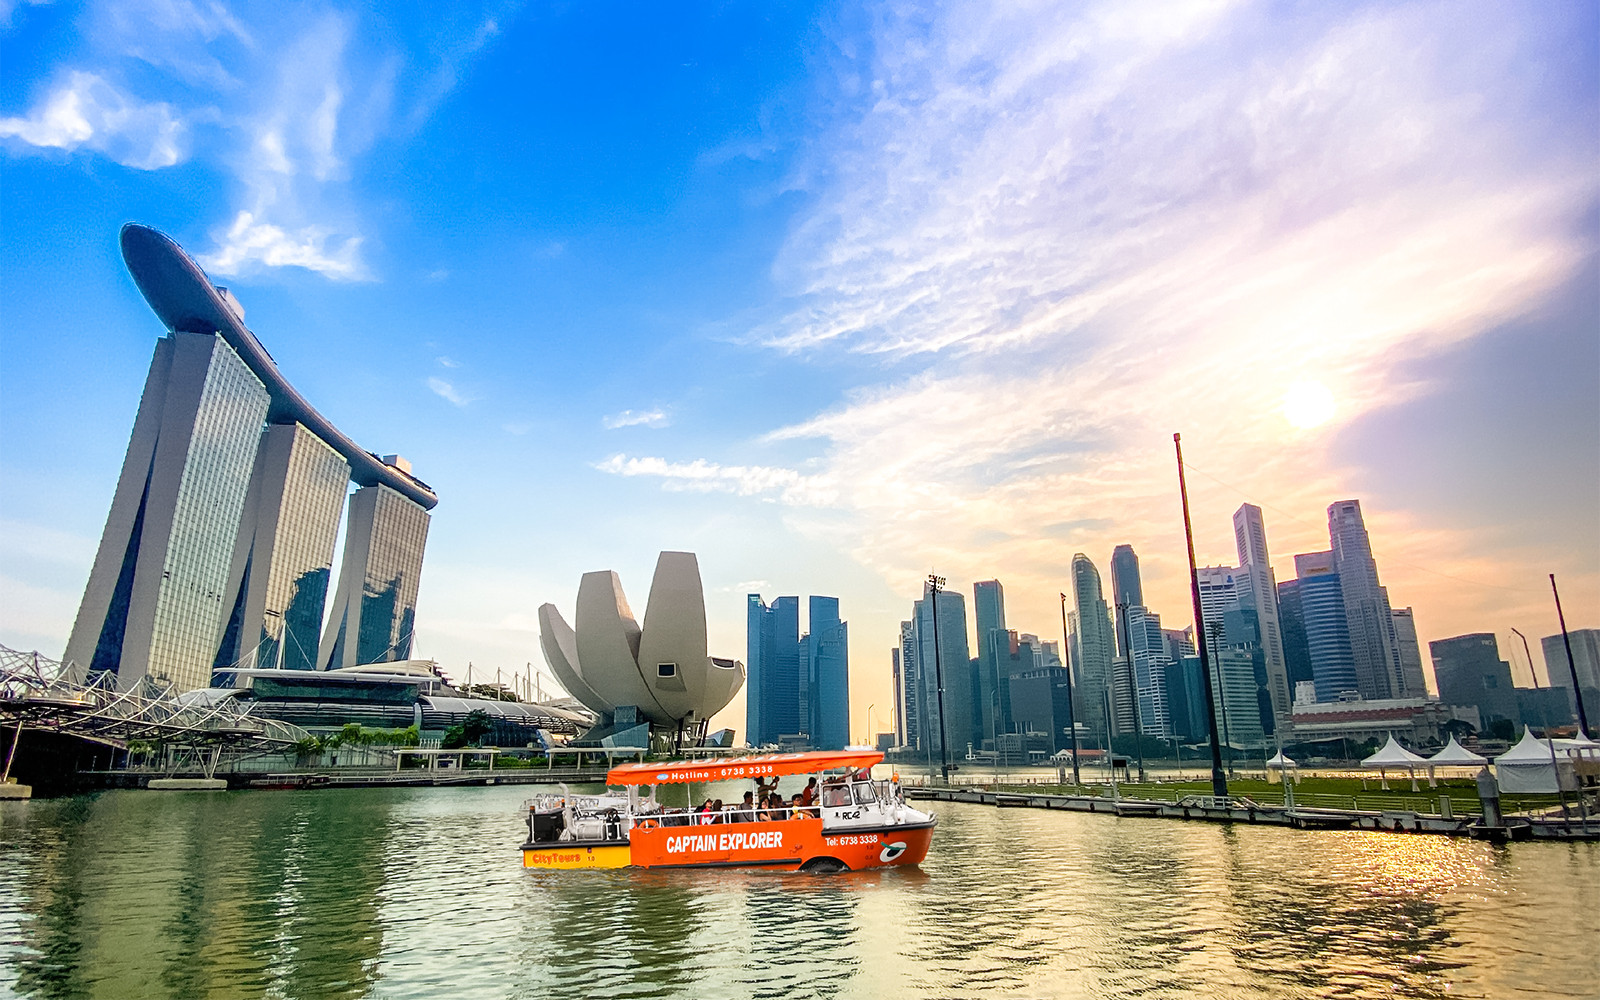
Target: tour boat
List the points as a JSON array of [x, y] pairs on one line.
[[854, 823]]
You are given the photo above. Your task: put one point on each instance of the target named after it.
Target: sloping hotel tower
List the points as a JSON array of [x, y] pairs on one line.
[[218, 549]]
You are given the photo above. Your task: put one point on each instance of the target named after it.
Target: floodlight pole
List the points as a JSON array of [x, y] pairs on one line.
[[1072, 712], [1219, 778], [935, 584], [1577, 692]]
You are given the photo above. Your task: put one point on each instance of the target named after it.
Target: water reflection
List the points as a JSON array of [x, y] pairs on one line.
[[419, 893]]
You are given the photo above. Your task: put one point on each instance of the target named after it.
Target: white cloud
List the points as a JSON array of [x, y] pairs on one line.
[[447, 391], [1094, 225], [448, 362], [742, 480], [249, 241], [86, 111], [637, 418]]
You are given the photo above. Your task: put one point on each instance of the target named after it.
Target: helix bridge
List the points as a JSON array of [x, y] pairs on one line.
[[189, 730]]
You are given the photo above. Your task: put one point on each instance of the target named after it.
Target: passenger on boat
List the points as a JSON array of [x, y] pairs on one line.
[[746, 811], [716, 815], [771, 807], [702, 815], [797, 807], [809, 796]]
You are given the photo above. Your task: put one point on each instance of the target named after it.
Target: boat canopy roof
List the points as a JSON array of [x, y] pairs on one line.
[[758, 766]]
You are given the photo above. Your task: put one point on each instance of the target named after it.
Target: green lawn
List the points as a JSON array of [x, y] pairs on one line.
[[1342, 793]]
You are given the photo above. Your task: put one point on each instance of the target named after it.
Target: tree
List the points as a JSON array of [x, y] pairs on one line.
[[469, 732]]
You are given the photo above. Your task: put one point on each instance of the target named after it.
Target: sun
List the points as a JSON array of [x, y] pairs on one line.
[[1307, 404]]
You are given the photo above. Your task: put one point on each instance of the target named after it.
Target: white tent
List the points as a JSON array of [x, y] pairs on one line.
[[1531, 766], [1282, 765], [1394, 757], [1456, 755]]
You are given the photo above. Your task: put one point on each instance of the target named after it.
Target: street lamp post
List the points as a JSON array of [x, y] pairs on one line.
[[936, 584], [1219, 778], [1072, 712]]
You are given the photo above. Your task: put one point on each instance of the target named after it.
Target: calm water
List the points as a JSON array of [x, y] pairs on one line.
[[419, 893]]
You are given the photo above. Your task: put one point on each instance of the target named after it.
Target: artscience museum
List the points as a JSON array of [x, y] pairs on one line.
[[643, 681]]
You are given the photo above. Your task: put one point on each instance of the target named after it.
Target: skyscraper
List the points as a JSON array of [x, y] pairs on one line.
[[827, 647], [1219, 594], [954, 664], [1327, 627], [1250, 537], [1092, 648], [1126, 589], [1366, 603], [283, 555], [1414, 684], [897, 688], [154, 604], [1149, 659], [989, 606], [219, 539], [772, 697], [1470, 672], [910, 704], [375, 607], [1292, 622]]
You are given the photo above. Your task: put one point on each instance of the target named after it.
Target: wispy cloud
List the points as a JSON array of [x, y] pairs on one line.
[[701, 476], [83, 110], [637, 418], [447, 391], [448, 362], [1090, 226]]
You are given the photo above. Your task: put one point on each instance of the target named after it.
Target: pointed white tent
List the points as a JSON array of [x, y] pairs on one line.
[[1394, 757], [1456, 755], [1283, 766], [1532, 766]]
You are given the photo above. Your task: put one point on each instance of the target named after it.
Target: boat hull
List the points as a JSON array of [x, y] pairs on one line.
[[785, 845]]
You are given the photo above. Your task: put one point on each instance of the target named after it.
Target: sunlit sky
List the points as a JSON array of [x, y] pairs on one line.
[[839, 295]]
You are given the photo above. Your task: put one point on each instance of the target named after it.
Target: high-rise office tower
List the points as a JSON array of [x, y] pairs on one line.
[[154, 604], [1126, 589], [910, 705], [1470, 672], [1585, 644], [773, 677], [827, 647], [375, 606], [1414, 684], [1219, 594], [1148, 654], [1327, 627], [1093, 649], [954, 666], [1292, 623], [989, 607], [283, 555], [1250, 537], [897, 688], [1366, 603]]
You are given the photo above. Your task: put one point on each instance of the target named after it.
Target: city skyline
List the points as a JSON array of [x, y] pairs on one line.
[[837, 298]]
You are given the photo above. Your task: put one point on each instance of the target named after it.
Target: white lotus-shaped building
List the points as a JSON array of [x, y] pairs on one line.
[[661, 670]]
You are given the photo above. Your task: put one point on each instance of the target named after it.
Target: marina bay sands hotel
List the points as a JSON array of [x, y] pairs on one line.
[[218, 551]]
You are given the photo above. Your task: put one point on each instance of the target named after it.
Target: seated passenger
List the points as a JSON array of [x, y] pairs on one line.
[[746, 811], [702, 815], [797, 808], [715, 814], [809, 796]]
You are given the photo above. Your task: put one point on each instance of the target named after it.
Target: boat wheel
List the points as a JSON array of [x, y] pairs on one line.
[[824, 866]]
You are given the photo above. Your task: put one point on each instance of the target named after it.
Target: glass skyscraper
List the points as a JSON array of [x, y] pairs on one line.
[[827, 647], [375, 607], [155, 598], [954, 665], [994, 699], [1148, 648], [1092, 648], [774, 674], [1368, 615], [283, 557], [1250, 538], [1333, 667]]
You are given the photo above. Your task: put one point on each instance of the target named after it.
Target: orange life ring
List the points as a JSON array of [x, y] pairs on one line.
[[648, 823]]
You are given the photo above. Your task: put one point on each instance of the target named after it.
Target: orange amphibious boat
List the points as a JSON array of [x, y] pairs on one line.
[[854, 822]]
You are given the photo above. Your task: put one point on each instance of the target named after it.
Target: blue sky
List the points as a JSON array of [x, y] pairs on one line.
[[833, 295]]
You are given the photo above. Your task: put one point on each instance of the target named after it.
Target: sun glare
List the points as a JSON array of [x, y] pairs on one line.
[[1307, 404]]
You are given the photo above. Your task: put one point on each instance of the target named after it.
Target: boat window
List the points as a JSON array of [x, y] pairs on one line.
[[835, 795], [865, 794], [666, 670]]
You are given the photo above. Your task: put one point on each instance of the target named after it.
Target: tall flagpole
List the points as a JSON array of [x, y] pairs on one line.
[[1219, 778], [1072, 712]]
